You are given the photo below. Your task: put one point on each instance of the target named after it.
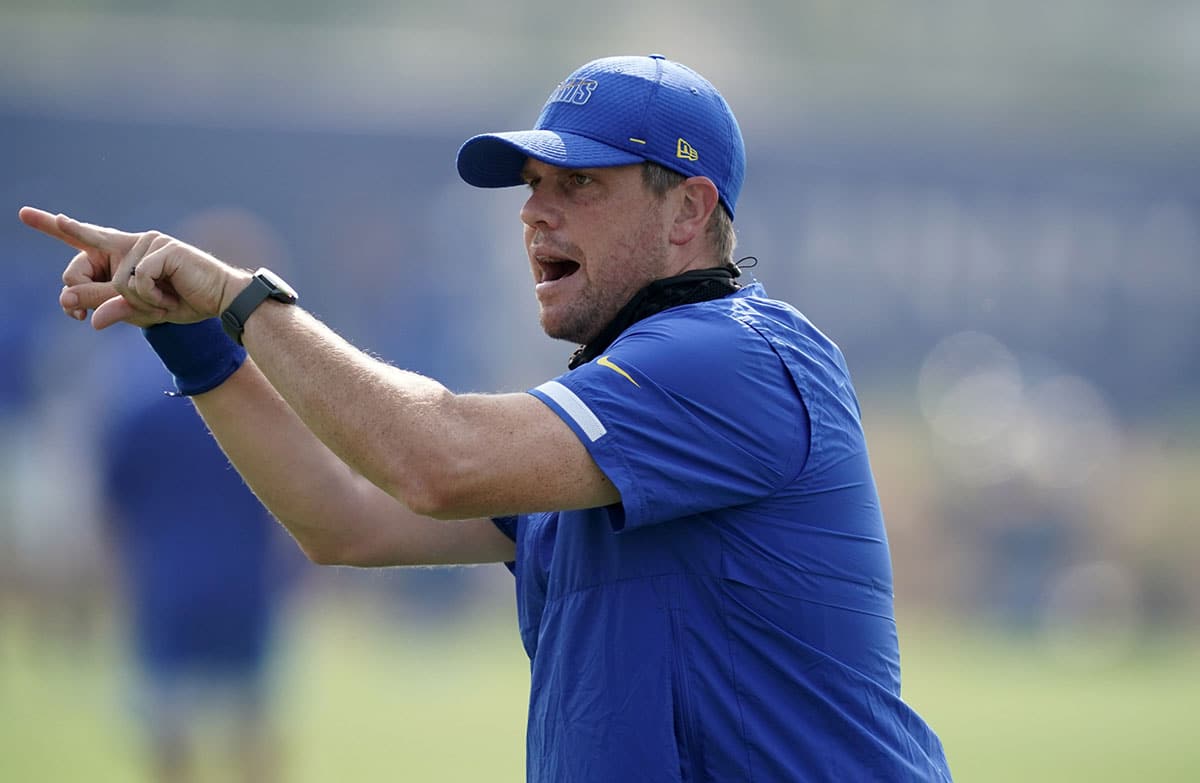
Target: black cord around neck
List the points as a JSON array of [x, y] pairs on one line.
[[698, 285]]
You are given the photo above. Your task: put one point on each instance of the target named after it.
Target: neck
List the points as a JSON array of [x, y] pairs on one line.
[[696, 285]]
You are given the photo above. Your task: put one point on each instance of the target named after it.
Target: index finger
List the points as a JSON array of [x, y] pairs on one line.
[[79, 235]]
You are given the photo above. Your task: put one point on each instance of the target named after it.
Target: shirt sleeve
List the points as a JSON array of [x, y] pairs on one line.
[[685, 414], [507, 526]]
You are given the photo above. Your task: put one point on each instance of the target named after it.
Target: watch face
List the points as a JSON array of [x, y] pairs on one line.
[[280, 290]]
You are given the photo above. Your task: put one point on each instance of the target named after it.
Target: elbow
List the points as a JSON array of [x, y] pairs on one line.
[[323, 557], [354, 557], [359, 554], [332, 550], [435, 502], [439, 491], [323, 554]]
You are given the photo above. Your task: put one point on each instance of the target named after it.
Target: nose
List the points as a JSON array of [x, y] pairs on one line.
[[540, 209]]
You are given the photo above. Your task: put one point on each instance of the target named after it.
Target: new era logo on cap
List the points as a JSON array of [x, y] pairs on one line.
[[617, 111]]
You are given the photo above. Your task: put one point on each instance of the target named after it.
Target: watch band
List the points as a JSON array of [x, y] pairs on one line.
[[263, 286]]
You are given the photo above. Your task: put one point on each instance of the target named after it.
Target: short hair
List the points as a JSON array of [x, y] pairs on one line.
[[660, 179]]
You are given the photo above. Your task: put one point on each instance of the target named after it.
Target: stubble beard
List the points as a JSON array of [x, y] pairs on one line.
[[641, 262]]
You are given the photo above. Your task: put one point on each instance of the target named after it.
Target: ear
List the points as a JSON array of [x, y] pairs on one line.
[[696, 198]]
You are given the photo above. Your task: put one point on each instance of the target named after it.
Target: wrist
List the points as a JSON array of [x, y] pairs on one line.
[[234, 284], [263, 285], [199, 356]]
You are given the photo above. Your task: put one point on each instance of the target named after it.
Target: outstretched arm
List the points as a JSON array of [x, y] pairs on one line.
[[345, 417]]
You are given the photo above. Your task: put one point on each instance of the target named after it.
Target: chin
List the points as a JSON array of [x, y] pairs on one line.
[[561, 329]]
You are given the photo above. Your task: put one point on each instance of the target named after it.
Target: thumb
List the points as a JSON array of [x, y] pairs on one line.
[[118, 309]]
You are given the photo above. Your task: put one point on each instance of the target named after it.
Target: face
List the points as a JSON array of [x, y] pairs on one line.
[[594, 238]]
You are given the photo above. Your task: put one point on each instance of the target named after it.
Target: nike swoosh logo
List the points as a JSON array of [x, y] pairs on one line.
[[603, 361]]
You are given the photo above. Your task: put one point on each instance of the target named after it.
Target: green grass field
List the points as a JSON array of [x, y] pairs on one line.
[[361, 703]]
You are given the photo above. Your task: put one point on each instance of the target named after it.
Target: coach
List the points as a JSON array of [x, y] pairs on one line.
[[703, 579]]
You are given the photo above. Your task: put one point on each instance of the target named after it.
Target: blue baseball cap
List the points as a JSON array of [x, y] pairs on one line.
[[617, 111]]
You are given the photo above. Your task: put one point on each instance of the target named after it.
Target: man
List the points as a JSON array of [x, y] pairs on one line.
[[703, 577]]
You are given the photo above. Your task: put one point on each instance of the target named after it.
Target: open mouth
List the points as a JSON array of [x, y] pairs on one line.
[[556, 268]]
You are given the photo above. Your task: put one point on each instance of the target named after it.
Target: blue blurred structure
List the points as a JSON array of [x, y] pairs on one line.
[[204, 578], [1059, 247]]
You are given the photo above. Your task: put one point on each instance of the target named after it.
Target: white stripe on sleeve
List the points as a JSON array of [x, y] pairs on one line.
[[575, 408]]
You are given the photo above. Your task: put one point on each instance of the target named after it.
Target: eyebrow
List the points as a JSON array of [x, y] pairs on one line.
[[526, 174]]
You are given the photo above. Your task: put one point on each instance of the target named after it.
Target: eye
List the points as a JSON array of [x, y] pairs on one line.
[[532, 182], [579, 180]]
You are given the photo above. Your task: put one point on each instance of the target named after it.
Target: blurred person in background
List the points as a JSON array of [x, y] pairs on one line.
[[703, 577], [201, 561], [197, 556]]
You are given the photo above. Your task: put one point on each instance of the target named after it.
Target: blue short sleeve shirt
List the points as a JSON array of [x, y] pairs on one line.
[[731, 618]]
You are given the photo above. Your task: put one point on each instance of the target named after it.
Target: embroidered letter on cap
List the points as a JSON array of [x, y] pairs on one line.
[[576, 91], [686, 151]]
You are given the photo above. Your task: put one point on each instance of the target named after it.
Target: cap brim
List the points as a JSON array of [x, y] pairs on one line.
[[495, 160]]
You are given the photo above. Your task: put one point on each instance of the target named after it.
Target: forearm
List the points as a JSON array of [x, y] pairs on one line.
[[335, 515], [398, 429], [316, 496]]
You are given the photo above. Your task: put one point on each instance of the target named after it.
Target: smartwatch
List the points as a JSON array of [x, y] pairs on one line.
[[263, 286]]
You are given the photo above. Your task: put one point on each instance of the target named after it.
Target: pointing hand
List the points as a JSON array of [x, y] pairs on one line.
[[140, 278]]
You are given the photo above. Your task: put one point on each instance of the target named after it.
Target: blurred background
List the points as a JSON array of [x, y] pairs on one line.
[[994, 208]]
